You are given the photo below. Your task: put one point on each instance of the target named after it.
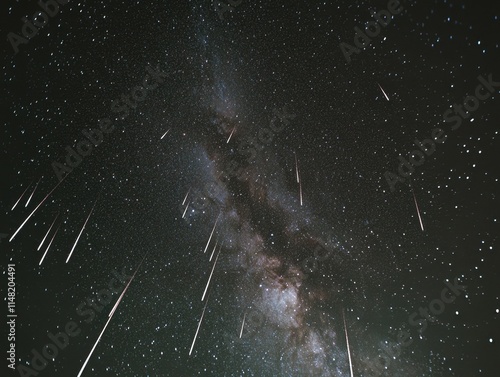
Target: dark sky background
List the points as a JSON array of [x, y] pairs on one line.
[[155, 198]]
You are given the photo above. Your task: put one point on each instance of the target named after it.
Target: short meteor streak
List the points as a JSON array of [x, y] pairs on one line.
[[347, 341], [298, 178], [109, 319], [165, 134], [242, 325], [48, 247], [48, 231], [210, 277], [81, 231], [29, 199], [198, 329], [36, 208], [24, 192], [185, 198], [418, 211], [232, 132], [211, 234], [386, 96]]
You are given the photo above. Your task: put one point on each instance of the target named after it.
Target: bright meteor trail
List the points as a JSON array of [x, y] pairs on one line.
[[383, 91], [110, 316], [242, 325], [165, 134], [198, 329], [210, 277], [347, 341], [418, 210], [231, 135]]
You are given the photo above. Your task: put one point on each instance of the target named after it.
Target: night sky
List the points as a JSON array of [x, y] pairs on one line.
[[250, 188]]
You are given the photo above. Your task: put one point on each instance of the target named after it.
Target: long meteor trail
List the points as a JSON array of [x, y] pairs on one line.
[[198, 329], [110, 316], [48, 231], [36, 208], [348, 348], [210, 277], [81, 231], [48, 247]]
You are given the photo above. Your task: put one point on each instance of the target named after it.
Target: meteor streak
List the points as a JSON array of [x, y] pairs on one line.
[[93, 348], [81, 231], [418, 210], [185, 198], [211, 234], [227, 142], [210, 277], [48, 231], [28, 202], [24, 192], [198, 329], [110, 316], [36, 208], [165, 134], [298, 178], [386, 96], [242, 324], [48, 247], [347, 341]]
